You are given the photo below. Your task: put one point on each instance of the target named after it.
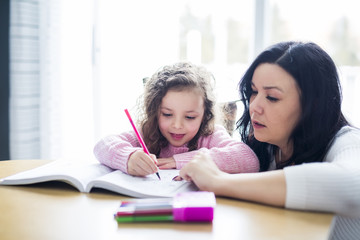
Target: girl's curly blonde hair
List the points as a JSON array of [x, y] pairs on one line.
[[180, 76]]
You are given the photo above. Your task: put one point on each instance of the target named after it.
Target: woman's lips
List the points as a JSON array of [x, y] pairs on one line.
[[258, 125], [177, 136]]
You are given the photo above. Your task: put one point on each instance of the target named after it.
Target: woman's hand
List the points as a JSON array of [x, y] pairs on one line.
[[264, 187], [203, 172], [141, 164], [166, 163]]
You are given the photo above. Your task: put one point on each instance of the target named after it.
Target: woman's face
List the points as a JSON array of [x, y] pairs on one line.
[[180, 116], [275, 107]]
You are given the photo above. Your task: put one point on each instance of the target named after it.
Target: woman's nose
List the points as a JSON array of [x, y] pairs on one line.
[[256, 105]]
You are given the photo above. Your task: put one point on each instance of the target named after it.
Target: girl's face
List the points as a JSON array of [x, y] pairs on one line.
[[275, 107], [180, 116]]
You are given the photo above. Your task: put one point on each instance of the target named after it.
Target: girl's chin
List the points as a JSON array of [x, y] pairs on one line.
[[176, 143]]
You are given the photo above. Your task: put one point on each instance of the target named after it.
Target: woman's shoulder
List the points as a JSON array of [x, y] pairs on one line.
[[346, 138], [348, 135]]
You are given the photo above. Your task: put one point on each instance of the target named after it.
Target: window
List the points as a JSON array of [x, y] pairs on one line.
[[332, 25], [136, 41], [108, 47]]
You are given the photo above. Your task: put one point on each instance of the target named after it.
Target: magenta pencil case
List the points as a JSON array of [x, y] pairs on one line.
[[184, 207], [194, 207]]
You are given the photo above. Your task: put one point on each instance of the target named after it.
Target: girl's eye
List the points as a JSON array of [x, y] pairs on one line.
[[190, 118], [166, 114], [272, 99]]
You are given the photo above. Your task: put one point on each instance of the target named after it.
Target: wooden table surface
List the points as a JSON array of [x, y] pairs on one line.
[[58, 211]]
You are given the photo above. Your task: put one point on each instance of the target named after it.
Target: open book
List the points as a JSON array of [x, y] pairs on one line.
[[89, 176]]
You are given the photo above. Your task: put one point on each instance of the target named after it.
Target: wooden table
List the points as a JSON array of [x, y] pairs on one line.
[[58, 211]]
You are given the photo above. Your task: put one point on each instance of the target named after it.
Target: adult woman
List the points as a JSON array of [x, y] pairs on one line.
[[292, 99]]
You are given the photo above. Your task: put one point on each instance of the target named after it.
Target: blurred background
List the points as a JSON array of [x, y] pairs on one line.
[[70, 67]]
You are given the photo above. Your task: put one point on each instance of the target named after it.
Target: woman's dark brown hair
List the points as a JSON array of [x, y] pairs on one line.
[[316, 76]]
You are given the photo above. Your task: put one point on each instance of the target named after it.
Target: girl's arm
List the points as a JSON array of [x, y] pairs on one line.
[[229, 154], [114, 151]]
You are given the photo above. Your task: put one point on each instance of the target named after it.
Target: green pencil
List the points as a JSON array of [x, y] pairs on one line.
[[143, 218]]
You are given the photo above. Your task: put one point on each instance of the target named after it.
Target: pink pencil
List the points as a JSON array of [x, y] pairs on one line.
[[139, 137]]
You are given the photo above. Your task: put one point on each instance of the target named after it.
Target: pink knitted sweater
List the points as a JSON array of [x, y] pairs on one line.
[[229, 154]]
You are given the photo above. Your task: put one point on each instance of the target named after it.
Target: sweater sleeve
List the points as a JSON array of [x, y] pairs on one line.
[[114, 151], [229, 154], [333, 185]]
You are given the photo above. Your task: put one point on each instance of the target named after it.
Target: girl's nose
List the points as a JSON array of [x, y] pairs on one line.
[[177, 123]]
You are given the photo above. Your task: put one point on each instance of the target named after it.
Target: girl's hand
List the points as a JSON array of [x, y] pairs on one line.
[[141, 164], [166, 163], [203, 172]]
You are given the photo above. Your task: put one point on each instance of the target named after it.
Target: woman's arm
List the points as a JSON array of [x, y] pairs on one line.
[[265, 187], [331, 187], [327, 186]]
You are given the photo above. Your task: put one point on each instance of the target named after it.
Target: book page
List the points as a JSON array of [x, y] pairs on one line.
[[75, 174], [143, 187]]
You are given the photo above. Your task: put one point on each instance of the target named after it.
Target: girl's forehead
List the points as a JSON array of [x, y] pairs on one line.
[[188, 89], [181, 99]]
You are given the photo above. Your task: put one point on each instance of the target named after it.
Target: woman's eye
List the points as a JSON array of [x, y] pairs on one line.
[[190, 118], [272, 99]]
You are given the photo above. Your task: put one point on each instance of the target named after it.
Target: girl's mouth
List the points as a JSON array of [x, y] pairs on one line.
[[177, 136]]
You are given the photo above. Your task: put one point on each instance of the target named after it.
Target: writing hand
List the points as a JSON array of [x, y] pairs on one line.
[[141, 164]]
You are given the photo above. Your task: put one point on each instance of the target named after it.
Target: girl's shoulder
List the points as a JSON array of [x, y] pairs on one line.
[[218, 135], [219, 127], [218, 130]]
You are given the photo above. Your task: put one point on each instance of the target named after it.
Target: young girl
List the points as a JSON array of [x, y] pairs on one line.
[[177, 122]]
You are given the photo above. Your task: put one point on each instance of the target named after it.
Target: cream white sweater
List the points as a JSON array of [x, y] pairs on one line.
[[331, 186]]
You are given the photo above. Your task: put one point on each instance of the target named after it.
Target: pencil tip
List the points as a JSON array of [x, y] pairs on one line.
[[158, 175]]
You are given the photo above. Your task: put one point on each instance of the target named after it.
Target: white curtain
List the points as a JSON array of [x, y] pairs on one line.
[[34, 79]]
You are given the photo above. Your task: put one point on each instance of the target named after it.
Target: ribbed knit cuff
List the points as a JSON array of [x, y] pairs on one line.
[[183, 158], [296, 190]]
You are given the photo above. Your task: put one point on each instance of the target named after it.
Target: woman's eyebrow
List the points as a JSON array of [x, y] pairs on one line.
[[268, 87], [272, 87]]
